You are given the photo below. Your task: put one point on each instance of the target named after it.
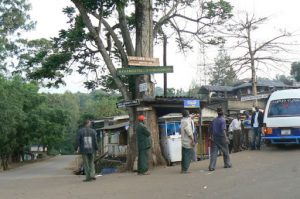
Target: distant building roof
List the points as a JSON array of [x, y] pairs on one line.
[[263, 82], [217, 88], [260, 82]]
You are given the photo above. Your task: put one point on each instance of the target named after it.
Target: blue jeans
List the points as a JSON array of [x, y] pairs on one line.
[[255, 144]]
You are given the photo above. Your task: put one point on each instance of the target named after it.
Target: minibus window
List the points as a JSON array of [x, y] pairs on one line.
[[284, 108]]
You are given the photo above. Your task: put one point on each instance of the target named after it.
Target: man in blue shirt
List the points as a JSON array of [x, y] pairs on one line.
[[219, 141]]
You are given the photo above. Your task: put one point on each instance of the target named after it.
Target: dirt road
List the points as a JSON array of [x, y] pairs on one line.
[[270, 173]]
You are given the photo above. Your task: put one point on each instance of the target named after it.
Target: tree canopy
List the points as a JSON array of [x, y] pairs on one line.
[[222, 73], [14, 20]]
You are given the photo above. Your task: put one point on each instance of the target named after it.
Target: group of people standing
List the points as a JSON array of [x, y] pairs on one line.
[[247, 133], [236, 138]]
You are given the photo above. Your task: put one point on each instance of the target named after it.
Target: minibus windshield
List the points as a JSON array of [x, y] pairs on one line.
[[284, 108]]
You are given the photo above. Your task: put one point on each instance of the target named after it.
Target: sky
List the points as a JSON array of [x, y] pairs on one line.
[[189, 67]]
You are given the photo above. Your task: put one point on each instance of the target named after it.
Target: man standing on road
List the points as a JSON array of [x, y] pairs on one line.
[[256, 123], [219, 141], [144, 144], [236, 129], [87, 146], [187, 140], [246, 129]]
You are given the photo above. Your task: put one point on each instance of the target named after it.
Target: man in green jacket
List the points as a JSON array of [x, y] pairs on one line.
[[144, 144]]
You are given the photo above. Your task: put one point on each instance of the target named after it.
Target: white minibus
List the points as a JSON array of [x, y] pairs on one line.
[[282, 118]]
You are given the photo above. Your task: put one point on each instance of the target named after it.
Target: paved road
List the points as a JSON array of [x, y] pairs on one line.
[[271, 173], [57, 166]]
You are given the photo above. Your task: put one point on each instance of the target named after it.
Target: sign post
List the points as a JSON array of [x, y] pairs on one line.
[[142, 61], [143, 87], [254, 97], [125, 104], [191, 104], [144, 70]]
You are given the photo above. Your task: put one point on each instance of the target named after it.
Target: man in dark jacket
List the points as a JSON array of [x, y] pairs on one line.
[[87, 146], [219, 140], [144, 144], [256, 123]]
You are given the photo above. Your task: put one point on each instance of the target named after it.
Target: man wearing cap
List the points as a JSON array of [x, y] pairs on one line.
[[220, 141], [256, 123], [144, 144]]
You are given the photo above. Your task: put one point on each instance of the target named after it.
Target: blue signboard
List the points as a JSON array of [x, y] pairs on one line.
[[191, 103]]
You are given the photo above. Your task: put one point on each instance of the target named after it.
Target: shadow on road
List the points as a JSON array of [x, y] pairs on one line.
[[281, 147]]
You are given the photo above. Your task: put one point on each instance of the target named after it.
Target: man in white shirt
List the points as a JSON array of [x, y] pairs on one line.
[[236, 128]]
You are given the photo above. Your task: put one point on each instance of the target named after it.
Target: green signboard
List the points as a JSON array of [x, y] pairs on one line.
[[144, 70]]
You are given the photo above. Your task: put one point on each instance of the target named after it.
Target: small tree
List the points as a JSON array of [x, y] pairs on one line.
[[285, 79], [295, 71], [222, 73]]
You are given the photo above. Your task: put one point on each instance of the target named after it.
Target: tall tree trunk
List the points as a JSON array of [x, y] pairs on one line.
[[251, 53], [165, 44], [132, 147], [144, 48], [253, 79]]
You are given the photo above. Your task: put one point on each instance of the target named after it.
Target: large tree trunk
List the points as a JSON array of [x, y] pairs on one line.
[[144, 48], [132, 147], [253, 77], [252, 53]]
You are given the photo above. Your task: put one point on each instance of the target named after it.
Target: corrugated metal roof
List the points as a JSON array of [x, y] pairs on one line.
[[261, 82], [269, 83], [115, 126]]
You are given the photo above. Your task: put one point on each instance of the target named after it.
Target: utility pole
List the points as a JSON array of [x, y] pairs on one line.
[[165, 42]]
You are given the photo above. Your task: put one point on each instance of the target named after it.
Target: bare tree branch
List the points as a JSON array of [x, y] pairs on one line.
[[164, 19], [256, 52], [125, 32]]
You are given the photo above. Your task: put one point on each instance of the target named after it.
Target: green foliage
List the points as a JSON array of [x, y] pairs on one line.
[[11, 114], [49, 120], [221, 8], [98, 104], [222, 74], [295, 71], [285, 79], [77, 45], [14, 19]]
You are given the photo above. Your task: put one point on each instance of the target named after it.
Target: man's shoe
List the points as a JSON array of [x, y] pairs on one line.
[[93, 178], [146, 173], [211, 169], [87, 180], [227, 166], [185, 172]]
